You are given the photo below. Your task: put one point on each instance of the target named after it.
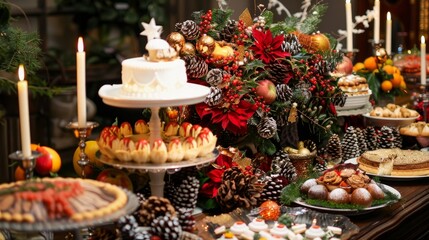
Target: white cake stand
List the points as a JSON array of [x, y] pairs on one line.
[[188, 94]]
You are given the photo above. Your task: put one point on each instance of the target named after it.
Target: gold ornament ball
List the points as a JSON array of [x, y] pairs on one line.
[[176, 40], [187, 49], [205, 45], [381, 55]]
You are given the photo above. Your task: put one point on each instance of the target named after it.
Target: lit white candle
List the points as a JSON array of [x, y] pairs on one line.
[[349, 26], [81, 81], [389, 34], [24, 116], [423, 61], [377, 21]]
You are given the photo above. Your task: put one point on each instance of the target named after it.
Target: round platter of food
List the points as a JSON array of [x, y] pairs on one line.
[[343, 189], [391, 115], [394, 164]]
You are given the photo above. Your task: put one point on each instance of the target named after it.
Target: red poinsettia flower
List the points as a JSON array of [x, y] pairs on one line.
[[266, 47], [233, 119], [209, 188]]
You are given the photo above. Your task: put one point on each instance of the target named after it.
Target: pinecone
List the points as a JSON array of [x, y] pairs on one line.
[[186, 193], [291, 44], [278, 72], [281, 120], [267, 127], [349, 144], [154, 207], [215, 77], [186, 219], [310, 145], [227, 33], [339, 99], [284, 92], [386, 138], [143, 235], [127, 227], [189, 29], [166, 227], [360, 134], [322, 66], [282, 166], [141, 198], [272, 189], [334, 150], [196, 67], [397, 138], [371, 138], [320, 167], [238, 190], [214, 97]]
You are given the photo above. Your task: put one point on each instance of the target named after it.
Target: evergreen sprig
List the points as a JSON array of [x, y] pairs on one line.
[[310, 24]]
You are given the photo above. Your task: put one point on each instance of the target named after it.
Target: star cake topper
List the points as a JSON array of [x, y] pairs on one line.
[[151, 30]]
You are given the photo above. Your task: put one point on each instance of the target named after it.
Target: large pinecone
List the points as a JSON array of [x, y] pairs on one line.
[[238, 190], [334, 149], [228, 32], [154, 207], [371, 138], [350, 144], [189, 29], [282, 166], [166, 227], [291, 44], [267, 127], [215, 77], [196, 67], [278, 72], [284, 92], [397, 138], [272, 189], [141, 198], [214, 97], [360, 134], [127, 227], [386, 138], [186, 193]]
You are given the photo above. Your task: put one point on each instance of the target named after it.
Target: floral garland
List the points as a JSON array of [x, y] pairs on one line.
[[270, 82]]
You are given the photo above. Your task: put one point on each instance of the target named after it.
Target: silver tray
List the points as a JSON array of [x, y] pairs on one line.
[[67, 224]]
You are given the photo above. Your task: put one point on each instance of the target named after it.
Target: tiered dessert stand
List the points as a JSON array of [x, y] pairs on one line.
[[186, 95]]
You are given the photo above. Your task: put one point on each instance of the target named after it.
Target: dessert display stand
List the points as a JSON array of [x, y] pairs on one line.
[[188, 94]]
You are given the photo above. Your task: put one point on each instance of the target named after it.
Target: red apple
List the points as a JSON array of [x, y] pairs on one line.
[[345, 67], [267, 90], [116, 177], [44, 162]]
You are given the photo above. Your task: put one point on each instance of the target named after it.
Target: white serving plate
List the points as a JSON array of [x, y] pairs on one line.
[[355, 102]]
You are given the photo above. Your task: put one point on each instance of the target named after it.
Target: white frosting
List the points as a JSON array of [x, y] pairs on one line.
[[144, 78], [279, 230], [258, 225], [238, 228], [314, 232]]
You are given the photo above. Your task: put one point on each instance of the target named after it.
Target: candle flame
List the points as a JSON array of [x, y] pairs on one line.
[[422, 39], [80, 44], [347, 1], [389, 17], [21, 72]]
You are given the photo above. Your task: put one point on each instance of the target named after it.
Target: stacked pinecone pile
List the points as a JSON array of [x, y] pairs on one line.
[[350, 145], [281, 166], [238, 190], [389, 137], [272, 190]]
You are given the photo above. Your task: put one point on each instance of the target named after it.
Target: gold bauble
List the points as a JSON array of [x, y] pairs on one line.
[[304, 151], [187, 49], [205, 45], [381, 55], [176, 40]]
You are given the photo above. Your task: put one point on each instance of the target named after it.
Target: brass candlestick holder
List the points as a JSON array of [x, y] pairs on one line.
[[26, 163], [82, 134]]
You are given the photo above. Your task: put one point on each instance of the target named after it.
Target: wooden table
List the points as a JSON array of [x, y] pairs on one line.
[[406, 219]]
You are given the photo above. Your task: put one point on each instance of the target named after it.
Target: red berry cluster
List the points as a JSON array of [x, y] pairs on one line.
[[205, 23], [242, 36]]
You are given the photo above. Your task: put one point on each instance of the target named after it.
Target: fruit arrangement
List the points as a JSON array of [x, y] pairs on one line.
[[393, 111], [384, 79]]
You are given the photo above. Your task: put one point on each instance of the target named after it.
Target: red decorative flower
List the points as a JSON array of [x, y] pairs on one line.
[[233, 119], [266, 47], [222, 163]]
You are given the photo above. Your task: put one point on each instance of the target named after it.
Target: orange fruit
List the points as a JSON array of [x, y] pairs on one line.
[[19, 173], [389, 69], [396, 80], [358, 66], [403, 84], [386, 86], [370, 63]]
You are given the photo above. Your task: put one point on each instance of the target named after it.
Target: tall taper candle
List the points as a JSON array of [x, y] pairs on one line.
[[81, 81], [377, 21], [423, 61], [389, 34], [24, 115], [349, 26]]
